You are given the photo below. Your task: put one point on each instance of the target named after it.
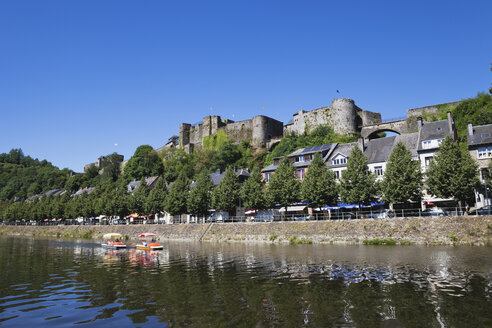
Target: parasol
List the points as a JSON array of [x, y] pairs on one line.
[[147, 234]]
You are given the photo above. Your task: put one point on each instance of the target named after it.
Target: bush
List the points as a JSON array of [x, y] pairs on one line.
[[379, 241]]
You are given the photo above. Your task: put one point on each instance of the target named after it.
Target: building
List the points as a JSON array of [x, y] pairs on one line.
[[342, 115], [479, 139], [301, 159], [259, 131], [100, 161], [133, 185], [422, 144]]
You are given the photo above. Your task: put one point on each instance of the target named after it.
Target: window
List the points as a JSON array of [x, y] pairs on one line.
[[300, 159], [378, 170], [485, 135], [337, 174], [484, 152], [267, 177], [339, 160], [484, 174], [300, 174], [428, 160], [426, 143], [439, 141]]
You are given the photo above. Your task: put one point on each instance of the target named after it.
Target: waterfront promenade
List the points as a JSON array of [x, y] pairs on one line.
[[465, 230]]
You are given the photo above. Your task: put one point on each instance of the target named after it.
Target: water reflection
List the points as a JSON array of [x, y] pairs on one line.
[[60, 283]]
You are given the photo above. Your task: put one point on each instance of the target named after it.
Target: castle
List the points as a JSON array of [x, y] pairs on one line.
[[264, 132]]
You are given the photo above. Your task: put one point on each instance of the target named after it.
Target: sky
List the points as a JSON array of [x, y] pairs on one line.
[[81, 79]]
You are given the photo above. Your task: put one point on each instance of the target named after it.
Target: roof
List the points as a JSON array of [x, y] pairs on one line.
[[217, 176], [344, 149], [270, 168], [310, 150], [133, 185], [378, 150], [482, 135], [434, 130]]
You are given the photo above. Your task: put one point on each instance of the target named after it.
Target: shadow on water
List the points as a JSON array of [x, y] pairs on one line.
[[58, 283]]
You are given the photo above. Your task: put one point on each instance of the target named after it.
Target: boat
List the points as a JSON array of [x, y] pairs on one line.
[[110, 243], [152, 246]]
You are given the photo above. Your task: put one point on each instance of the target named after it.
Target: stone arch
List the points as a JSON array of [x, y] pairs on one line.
[[376, 132]]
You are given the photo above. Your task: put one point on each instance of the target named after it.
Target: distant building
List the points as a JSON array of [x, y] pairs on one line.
[[479, 140], [150, 181], [100, 162]]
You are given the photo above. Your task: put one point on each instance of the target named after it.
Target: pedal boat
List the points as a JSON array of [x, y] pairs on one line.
[[153, 246], [114, 244]]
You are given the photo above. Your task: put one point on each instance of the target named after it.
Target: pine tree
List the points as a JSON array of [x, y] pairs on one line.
[[225, 196], [402, 180], [154, 203], [200, 198], [357, 185], [452, 173], [283, 187], [175, 203], [319, 187], [253, 191]]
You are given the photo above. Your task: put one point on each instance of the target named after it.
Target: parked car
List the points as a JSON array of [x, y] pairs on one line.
[[302, 218], [263, 216], [381, 214], [434, 211], [343, 216], [218, 217], [485, 210]]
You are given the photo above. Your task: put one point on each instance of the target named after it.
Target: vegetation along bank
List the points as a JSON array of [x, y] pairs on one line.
[[419, 231]]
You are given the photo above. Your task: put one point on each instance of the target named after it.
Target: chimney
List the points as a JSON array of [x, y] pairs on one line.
[[470, 129], [360, 143], [450, 123], [419, 123]]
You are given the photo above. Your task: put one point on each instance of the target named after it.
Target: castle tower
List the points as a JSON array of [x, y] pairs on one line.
[[344, 116]]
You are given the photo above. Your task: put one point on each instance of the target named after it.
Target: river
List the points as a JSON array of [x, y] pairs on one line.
[[60, 283]]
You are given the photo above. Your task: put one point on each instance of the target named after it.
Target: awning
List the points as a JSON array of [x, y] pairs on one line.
[[293, 208]]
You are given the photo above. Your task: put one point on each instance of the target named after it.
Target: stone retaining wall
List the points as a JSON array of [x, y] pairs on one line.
[[423, 231]]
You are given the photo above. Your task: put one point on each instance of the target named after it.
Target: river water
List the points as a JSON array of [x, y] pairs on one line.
[[57, 283]]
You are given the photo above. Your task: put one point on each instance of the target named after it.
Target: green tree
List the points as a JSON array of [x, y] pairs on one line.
[[319, 186], [402, 180], [283, 187], [253, 191], [119, 203], [452, 173], [176, 199], [145, 162], [200, 197], [225, 196], [357, 185], [136, 201], [111, 166], [154, 203]]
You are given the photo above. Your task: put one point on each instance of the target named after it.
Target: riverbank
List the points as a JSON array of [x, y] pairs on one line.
[[420, 231]]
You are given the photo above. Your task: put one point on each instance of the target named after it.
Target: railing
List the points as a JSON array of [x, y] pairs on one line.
[[337, 214]]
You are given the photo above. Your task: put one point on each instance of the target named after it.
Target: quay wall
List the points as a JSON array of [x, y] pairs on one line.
[[421, 231]]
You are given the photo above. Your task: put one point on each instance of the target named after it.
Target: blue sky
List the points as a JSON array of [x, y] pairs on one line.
[[80, 79]]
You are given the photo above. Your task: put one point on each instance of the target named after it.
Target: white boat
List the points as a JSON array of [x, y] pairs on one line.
[[114, 244]]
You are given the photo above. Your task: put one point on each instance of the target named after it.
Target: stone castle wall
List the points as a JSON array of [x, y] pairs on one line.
[[259, 130], [343, 115]]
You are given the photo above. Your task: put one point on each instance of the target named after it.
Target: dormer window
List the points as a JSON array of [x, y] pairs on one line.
[[300, 159], [485, 135], [339, 160]]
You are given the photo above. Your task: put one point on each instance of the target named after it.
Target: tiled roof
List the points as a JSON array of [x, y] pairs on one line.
[[434, 130], [482, 135]]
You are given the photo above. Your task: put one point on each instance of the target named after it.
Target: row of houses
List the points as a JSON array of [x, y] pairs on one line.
[[423, 144]]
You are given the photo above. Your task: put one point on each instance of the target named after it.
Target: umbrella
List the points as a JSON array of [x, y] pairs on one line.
[[111, 235], [147, 234]]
